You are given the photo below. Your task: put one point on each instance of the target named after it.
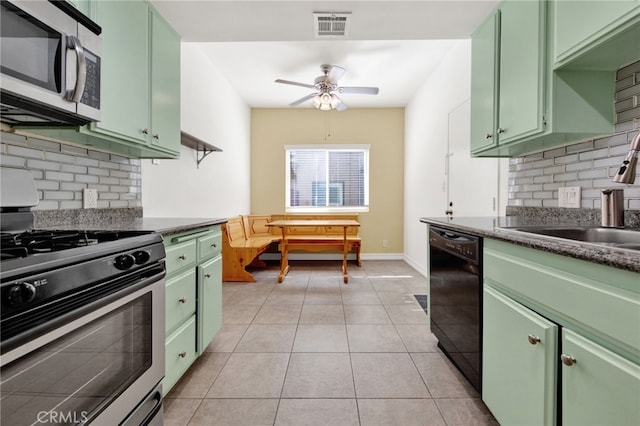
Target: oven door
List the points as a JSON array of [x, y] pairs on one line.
[[103, 367]]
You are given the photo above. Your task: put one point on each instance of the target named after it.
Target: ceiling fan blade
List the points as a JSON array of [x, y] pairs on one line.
[[341, 106], [335, 72], [359, 90], [301, 100], [295, 83]]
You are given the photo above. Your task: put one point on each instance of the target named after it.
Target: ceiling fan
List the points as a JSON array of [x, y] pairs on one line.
[[326, 86]]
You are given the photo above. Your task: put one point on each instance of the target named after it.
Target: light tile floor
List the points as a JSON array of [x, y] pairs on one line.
[[316, 351]]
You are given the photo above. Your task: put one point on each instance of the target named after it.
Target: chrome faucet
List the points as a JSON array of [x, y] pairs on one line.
[[627, 171], [613, 199]]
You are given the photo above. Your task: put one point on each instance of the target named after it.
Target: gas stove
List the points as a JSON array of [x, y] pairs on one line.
[[40, 268]]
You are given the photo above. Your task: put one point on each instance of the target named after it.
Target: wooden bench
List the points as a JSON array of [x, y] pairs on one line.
[[245, 238], [240, 250]]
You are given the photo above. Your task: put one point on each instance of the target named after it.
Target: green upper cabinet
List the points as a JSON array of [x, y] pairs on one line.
[[508, 80], [484, 83], [594, 34], [125, 71], [165, 85], [139, 87], [522, 79], [537, 106]]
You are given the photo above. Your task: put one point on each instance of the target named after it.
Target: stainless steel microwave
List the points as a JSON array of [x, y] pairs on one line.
[[49, 64]]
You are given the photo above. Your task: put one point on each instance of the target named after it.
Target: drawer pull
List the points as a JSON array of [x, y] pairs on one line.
[[214, 245], [207, 275], [182, 354], [182, 300], [567, 360], [533, 339], [182, 257]]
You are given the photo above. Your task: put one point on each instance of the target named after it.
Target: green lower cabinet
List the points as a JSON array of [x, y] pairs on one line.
[[598, 386], [193, 298], [209, 301], [180, 352], [518, 362]]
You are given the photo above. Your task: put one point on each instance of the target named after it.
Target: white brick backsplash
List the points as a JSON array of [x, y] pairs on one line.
[[62, 171], [588, 164]]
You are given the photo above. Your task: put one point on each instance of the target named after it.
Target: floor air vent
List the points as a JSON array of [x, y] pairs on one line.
[[331, 25]]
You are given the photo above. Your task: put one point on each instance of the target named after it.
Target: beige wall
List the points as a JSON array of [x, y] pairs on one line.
[[381, 128]]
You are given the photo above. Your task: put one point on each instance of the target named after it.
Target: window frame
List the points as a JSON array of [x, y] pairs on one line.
[[365, 148]]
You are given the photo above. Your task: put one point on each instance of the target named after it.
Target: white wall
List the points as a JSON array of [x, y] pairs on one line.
[[427, 133], [212, 111]]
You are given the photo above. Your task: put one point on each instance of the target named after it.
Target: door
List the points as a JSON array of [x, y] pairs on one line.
[[124, 74], [472, 183], [518, 362], [209, 301], [165, 85], [600, 388], [484, 79], [522, 72]]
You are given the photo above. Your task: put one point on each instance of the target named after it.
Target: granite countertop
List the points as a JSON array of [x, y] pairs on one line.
[[500, 228], [162, 225]]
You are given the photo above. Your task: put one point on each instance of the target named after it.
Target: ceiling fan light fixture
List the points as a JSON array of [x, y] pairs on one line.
[[325, 101]]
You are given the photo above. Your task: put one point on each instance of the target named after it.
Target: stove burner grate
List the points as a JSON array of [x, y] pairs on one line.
[[23, 244]]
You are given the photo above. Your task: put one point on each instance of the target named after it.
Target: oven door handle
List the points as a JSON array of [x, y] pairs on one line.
[[147, 413]]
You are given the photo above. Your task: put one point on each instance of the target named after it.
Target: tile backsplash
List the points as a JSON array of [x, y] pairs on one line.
[[534, 179], [62, 171]]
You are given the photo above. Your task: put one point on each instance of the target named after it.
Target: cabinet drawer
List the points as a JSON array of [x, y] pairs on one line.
[[180, 256], [180, 299], [209, 246], [180, 352]]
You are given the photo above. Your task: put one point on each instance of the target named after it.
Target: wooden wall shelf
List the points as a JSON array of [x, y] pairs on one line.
[[201, 147]]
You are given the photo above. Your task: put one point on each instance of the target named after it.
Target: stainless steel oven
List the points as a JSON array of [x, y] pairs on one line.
[[49, 62], [455, 280], [82, 318]]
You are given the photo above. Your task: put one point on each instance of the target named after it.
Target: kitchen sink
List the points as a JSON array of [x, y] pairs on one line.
[[622, 238]]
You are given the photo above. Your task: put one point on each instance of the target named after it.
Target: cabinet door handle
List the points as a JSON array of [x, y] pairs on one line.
[[567, 360], [182, 354], [182, 257], [182, 300], [156, 136], [500, 130], [488, 136], [207, 275], [145, 131], [533, 339], [214, 245]]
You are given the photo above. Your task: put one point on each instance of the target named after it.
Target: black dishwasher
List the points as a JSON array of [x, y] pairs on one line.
[[455, 277]]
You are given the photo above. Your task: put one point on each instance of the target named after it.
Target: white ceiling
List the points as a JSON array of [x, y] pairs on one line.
[[393, 45]]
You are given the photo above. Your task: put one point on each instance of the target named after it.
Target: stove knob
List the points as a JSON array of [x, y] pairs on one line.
[[20, 294], [124, 262], [141, 257]]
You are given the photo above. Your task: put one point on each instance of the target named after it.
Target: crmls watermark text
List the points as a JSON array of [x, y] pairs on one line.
[[58, 417]]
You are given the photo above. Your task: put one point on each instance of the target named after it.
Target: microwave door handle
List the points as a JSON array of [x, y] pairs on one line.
[[81, 70]]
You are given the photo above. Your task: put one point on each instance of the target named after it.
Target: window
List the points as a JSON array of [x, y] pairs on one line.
[[327, 178]]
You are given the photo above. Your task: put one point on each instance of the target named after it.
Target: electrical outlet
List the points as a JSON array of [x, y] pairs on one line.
[[385, 243], [89, 198], [569, 197]]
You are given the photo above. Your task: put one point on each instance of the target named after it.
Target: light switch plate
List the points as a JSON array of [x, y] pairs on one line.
[[89, 198], [569, 197]]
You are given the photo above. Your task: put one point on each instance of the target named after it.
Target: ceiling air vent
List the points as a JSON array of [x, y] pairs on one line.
[[331, 25]]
